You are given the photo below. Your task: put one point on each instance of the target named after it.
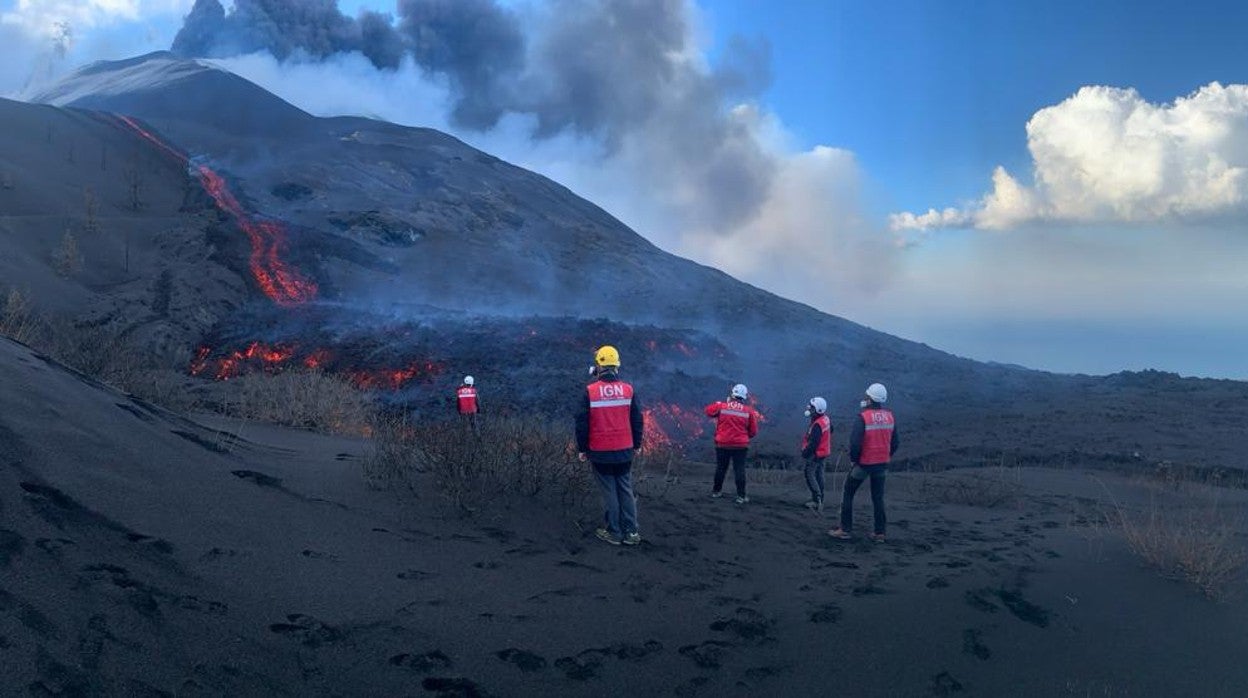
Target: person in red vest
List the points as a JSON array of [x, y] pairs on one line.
[[816, 446], [609, 429], [871, 446], [466, 401], [735, 424]]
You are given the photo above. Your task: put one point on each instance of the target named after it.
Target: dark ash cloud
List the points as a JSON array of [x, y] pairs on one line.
[[624, 73]]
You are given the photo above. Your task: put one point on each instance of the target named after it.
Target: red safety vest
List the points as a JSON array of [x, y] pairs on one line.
[[735, 423], [877, 440], [610, 409], [467, 398], [825, 439]]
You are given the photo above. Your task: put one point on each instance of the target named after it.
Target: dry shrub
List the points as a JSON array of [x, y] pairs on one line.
[[166, 387], [305, 399], [17, 319], [1196, 546], [390, 464], [67, 257], [987, 488], [657, 468], [502, 458]]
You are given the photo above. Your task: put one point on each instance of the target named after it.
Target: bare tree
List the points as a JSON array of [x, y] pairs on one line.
[[132, 175], [66, 258], [103, 157], [69, 157], [162, 293], [91, 204], [6, 180]]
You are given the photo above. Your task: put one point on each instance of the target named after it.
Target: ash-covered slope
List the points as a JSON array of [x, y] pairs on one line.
[[366, 223], [144, 555], [431, 219]]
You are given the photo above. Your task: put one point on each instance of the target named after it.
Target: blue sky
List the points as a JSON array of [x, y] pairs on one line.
[[1127, 253], [932, 95]]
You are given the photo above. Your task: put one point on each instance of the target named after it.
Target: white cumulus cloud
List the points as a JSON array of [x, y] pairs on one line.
[[1106, 155]]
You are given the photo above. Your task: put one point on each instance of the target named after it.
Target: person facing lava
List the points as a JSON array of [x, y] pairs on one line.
[[609, 429], [735, 424], [466, 401], [871, 445], [816, 446]]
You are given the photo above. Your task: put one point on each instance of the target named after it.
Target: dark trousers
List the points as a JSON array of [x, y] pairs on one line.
[[736, 456], [877, 473], [814, 478]]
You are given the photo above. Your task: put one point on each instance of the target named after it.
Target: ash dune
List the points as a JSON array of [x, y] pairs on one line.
[[138, 557]]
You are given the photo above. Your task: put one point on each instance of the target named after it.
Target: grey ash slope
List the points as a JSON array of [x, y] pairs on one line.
[[137, 559], [391, 218]]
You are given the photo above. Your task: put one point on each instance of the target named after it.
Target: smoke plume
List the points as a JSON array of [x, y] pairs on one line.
[[615, 98]]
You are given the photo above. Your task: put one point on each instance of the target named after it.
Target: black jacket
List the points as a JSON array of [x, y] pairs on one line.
[[856, 436], [815, 436], [609, 458]]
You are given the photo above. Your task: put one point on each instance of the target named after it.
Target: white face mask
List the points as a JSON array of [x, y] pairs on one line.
[[807, 413], [864, 403]]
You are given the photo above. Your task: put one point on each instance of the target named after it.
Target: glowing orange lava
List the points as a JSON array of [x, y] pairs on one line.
[[393, 379], [670, 426], [281, 282]]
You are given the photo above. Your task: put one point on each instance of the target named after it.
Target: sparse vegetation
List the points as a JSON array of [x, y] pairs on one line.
[[987, 488], [97, 351], [91, 211], [658, 466], [162, 293], [1192, 541], [132, 175], [390, 463], [66, 258], [17, 321], [501, 459], [306, 399]]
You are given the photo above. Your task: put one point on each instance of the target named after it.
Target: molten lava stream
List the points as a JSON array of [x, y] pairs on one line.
[[281, 282], [670, 426]]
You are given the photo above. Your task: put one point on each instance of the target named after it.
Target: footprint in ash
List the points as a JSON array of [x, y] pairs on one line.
[[307, 630], [425, 662], [453, 688], [524, 660]]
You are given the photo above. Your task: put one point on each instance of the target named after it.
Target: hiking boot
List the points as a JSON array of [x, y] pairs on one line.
[[632, 539], [716, 494], [819, 506], [878, 537], [742, 499], [813, 505], [605, 536], [840, 534]]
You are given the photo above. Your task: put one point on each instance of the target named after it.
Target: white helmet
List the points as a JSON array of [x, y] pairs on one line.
[[819, 404], [740, 392], [878, 393], [468, 380]]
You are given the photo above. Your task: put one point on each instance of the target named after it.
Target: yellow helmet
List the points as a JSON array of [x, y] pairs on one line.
[[607, 356]]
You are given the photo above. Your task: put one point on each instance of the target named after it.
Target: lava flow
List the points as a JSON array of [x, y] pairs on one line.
[[276, 358], [280, 281], [670, 426]]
